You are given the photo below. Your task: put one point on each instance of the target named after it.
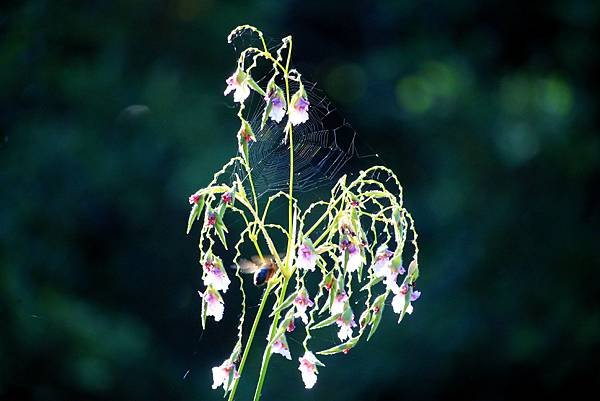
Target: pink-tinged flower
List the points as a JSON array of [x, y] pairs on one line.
[[308, 368], [299, 108], [224, 374], [245, 133], [238, 82], [403, 289], [227, 198], [280, 346], [211, 219], [214, 274], [213, 303], [415, 295], [194, 199], [329, 282], [339, 303], [301, 303], [307, 256], [291, 326], [345, 326], [355, 258]]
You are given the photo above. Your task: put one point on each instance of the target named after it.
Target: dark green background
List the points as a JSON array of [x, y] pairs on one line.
[[487, 111]]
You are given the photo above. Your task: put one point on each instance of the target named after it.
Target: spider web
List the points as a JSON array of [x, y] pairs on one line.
[[325, 147]]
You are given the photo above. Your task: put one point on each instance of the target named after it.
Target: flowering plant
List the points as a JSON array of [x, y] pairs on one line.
[[356, 237]]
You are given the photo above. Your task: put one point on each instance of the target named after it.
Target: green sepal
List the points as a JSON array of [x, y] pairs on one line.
[[286, 303], [252, 83], [332, 292], [347, 315], [413, 271], [406, 303], [363, 321], [340, 348], [204, 312], [221, 230], [360, 268], [282, 326], [216, 189], [242, 143], [236, 351], [397, 215], [376, 316], [327, 322], [195, 213], [266, 113], [371, 283], [241, 192], [230, 380]]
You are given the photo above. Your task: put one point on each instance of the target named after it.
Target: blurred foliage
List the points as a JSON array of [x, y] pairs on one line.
[[111, 114]]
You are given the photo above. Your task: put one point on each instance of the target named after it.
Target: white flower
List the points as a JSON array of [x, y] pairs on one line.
[[224, 375], [308, 368], [345, 326], [238, 82], [277, 109], [214, 274], [299, 108], [399, 300], [280, 346], [213, 303], [398, 304], [307, 256], [301, 303], [339, 303], [382, 265], [276, 101], [355, 257]]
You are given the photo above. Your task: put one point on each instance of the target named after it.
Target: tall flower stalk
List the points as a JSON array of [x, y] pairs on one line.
[[356, 238]]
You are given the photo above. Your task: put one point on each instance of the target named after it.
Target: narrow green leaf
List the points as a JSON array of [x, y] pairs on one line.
[[371, 283], [406, 304], [375, 319], [324, 323], [331, 296], [204, 313], [221, 229], [376, 316], [286, 303], [340, 348], [252, 83], [413, 271], [193, 215], [266, 114]]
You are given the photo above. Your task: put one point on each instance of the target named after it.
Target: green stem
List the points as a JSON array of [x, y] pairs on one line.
[[291, 197], [249, 341], [267, 353]]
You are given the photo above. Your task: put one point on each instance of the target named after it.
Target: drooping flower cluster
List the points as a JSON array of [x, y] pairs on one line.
[[352, 244]]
